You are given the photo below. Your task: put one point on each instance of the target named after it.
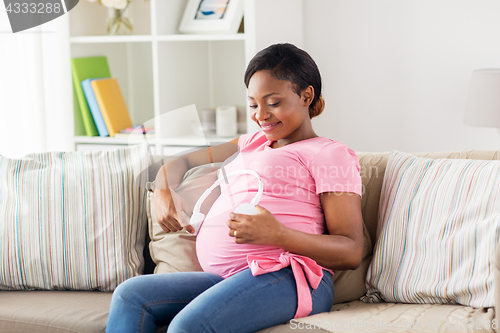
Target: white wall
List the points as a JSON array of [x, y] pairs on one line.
[[275, 21], [396, 73]]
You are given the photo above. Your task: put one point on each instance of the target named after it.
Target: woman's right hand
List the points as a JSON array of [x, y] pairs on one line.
[[168, 207]]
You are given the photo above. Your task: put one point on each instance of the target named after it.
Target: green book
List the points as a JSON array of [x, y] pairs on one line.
[[82, 69]]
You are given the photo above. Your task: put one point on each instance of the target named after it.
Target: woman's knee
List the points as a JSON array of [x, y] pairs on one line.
[[130, 289]]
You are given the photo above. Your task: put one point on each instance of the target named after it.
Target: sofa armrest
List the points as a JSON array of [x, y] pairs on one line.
[[496, 268]]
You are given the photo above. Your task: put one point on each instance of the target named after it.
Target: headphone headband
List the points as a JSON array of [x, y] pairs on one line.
[[198, 217]]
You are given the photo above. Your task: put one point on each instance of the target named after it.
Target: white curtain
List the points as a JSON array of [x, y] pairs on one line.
[[36, 102]]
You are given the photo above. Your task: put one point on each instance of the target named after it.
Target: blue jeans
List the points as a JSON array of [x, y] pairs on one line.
[[198, 302]]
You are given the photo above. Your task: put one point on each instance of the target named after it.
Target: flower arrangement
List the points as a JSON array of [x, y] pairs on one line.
[[118, 23]]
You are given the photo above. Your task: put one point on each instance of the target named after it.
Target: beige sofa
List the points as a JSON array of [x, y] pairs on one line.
[[86, 311]]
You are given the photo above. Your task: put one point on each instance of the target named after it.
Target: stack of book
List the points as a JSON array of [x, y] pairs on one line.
[[99, 107]]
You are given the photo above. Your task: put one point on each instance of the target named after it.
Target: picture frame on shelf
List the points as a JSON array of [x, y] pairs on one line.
[[212, 17]]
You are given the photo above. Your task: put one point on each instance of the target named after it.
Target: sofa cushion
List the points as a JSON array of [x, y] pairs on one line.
[[363, 317], [54, 311], [176, 251], [439, 229], [373, 170], [173, 251], [72, 220], [349, 285]]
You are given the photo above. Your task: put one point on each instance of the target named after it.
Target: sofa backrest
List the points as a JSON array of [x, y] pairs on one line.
[[372, 174]]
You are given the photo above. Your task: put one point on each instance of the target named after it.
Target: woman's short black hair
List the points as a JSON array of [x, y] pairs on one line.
[[289, 63]]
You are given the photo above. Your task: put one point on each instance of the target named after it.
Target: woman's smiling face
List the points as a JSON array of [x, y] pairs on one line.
[[282, 114]]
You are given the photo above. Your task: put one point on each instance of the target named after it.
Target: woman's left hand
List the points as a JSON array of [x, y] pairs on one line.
[[260, 229]]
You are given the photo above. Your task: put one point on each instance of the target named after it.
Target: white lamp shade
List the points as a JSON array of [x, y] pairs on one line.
[[483, 104]]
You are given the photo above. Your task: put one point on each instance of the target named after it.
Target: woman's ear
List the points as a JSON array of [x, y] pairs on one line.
[[308, 95]]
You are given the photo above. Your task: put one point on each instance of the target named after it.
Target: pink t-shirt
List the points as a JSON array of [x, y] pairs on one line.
[[293, 177]]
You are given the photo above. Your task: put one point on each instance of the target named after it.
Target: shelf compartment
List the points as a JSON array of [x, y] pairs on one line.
[[131, 65], [89, 18], [208, 74], [168, 16]]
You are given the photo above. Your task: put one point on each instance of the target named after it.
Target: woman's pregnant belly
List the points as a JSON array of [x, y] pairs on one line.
[[218, 252]]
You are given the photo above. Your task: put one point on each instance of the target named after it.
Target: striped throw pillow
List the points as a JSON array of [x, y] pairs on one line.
[[73, 220], [439, 223]]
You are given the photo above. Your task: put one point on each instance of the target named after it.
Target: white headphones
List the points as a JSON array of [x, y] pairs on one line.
[[246, 208]]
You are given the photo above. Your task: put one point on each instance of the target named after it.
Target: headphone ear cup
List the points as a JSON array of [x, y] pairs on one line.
[[246, 208]]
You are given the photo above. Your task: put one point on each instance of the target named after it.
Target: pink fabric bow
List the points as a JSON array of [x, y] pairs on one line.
[[300, 264]]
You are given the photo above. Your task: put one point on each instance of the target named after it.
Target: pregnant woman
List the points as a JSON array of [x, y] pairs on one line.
[[265, 269]]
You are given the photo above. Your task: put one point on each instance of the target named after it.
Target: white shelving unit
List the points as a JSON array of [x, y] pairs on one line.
[[160, 70]]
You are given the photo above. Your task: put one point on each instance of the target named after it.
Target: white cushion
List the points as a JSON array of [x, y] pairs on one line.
[[73, 220], [439, 224], [176, 251]]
